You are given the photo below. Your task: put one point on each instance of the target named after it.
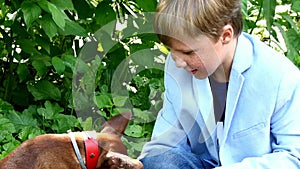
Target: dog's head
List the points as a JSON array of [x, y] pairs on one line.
[[113, 152]]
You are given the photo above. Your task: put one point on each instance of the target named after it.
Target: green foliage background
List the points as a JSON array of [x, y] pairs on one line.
[[41, 42]]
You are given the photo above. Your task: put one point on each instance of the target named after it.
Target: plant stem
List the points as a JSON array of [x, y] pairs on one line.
[[257, 19], [9, 73]]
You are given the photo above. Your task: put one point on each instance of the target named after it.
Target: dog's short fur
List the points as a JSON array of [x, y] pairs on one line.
[[55, 151]]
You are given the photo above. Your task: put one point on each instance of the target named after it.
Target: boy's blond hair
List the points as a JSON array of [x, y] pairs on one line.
[[191, 18]]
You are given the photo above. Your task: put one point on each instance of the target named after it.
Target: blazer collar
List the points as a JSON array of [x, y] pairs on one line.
[[243, 54]]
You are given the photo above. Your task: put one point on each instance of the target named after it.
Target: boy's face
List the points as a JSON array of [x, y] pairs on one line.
[[201, 56]]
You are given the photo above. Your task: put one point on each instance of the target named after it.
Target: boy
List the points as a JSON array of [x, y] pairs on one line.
[[230, 100]]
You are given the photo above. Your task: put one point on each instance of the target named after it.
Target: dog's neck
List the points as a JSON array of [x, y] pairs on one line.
[[91, 149]]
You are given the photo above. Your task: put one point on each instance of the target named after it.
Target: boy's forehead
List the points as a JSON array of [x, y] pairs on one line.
[[188, 43]]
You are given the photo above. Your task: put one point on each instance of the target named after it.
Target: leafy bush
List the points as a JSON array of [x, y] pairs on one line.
[[73, 64], [276, 23]]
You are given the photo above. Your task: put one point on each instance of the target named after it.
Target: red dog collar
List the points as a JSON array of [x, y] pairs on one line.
[[91, 151]]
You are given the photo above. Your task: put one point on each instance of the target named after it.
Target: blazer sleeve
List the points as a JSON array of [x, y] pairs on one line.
[[285, 129]]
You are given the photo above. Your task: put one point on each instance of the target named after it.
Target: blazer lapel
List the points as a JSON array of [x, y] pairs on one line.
[[242, 62], [233, 93]]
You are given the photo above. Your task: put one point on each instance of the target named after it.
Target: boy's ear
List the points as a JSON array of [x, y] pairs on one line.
[[228, 34], [117, 124]]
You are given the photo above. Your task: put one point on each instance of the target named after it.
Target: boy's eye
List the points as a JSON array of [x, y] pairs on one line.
[[188, 52]]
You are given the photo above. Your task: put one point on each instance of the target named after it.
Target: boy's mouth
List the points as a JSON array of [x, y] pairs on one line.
[[194, 71]]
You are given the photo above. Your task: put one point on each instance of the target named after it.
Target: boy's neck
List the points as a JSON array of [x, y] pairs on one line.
[[222, 74]]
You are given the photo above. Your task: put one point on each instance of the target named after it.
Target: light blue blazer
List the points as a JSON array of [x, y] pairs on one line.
[[262, 118]]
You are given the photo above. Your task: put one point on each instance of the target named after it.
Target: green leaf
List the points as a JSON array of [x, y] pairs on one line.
[[44, 5], [135, 146], [41, 63], [64, 122], [269, 12], [143, 57], [83, 9], [10, 146], [5, 107], [50, 111], [53, 107], [119, 101], [43, 90], [69, 61], [73, 28], [6, 126], [148, 6], [31, 12], [244, 8], [87, 125], [104, 14], [296, 5], [48, 115], [48, 26], [81, 101], [144, 116], [134, 131], [40, 67], [44, 42], [29, 132], [290, 20], [63, 5], [103, 101], [21, 120], [292, 41], [58, 65], [57, 15], [23, 72], [28, 46]]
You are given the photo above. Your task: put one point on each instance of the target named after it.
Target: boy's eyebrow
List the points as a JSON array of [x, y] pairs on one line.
[[186, 50]]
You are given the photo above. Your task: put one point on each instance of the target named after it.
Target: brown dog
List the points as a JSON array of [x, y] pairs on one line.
[[55, 151]]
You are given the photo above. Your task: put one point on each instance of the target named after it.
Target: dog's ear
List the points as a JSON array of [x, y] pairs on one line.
[[117, 124]]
